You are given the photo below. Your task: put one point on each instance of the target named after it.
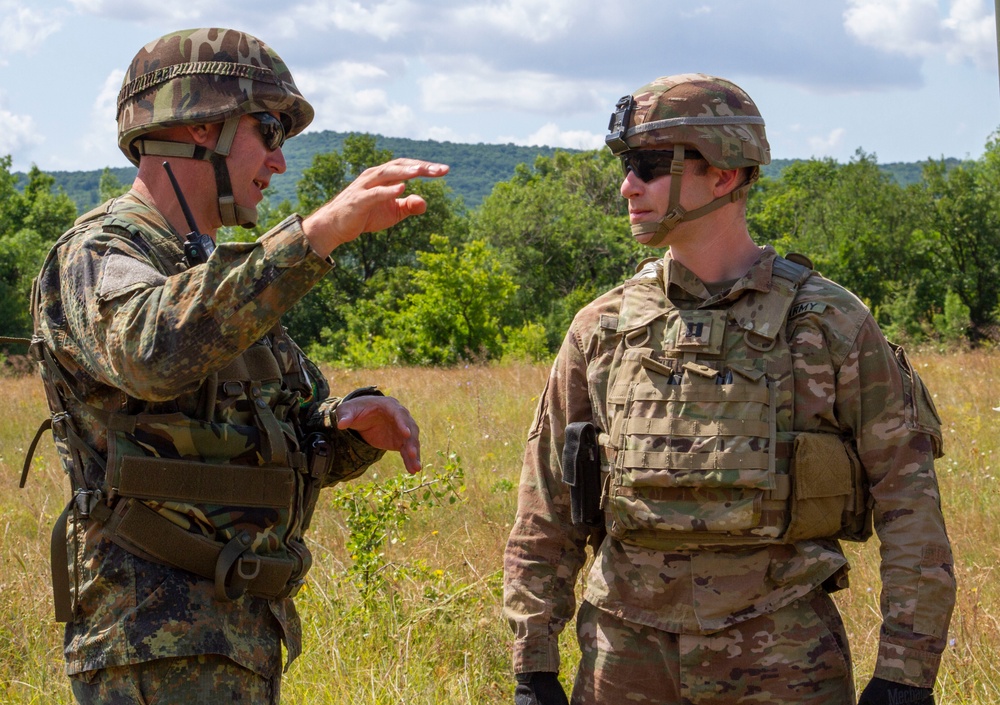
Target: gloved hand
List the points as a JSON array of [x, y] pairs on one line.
[[539, 688], [882, 692]]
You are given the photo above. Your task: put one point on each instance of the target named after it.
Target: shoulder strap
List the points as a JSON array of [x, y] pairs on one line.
[[764, 316], [167, 253]]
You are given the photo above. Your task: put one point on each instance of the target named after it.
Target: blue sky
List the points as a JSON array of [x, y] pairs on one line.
[[903, 79]]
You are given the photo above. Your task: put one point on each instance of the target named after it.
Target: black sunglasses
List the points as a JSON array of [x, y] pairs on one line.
[[649, 164], [272, 130]]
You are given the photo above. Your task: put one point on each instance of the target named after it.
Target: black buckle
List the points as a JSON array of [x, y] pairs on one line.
[[85, 500], [618, 125]]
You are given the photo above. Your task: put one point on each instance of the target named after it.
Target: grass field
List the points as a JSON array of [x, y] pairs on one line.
[[431, 631]]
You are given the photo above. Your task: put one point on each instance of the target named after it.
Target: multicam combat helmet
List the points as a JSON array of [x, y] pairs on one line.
[[199, 76], [711, 116]]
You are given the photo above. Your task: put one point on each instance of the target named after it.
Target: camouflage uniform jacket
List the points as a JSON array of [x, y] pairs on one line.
[[848, 381], [136, 330]]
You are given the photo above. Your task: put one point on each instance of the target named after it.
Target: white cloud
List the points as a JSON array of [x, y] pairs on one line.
[[472, 85], [23, 28], [828, 145], [916, 29], [146, 10], [696, 11], [383, 20], [974, 31], [348, 96], [99, 142], [17, 132], [551, 135], [536, 20]]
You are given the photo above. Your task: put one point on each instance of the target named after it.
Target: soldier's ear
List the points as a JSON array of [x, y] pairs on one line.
[[205, 135], [726, 180]]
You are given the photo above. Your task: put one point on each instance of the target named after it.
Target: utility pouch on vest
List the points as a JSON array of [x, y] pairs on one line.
[[582, 472], [829, 496]]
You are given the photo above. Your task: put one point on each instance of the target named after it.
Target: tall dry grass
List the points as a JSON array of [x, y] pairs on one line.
[[436, 634]]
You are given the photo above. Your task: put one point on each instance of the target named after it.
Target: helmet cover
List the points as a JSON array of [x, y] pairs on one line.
[[709, 114], [198, 76]]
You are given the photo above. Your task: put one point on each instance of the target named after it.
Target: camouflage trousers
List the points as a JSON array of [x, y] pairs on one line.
[[176, 681], [798, 655]]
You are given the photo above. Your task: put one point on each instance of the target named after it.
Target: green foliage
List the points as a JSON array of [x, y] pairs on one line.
[[110, 186], [375, 513], [324, 313], [21, 256], [902, 315], [446, 310], [529, 343], [29, 222], [505, 280], [964, 218], [952, 324], [559, 227], [852, 220], [901, 249]]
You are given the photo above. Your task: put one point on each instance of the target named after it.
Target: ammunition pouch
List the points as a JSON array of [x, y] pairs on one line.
[[829, 497], [582, 472]]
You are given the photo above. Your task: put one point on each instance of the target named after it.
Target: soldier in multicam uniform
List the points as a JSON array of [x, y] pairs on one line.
[[195, 432], [743, 414]]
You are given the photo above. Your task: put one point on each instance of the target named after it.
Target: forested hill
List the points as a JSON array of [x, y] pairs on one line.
[[475, 168]]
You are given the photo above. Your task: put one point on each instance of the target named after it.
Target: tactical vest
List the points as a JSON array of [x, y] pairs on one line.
[[224, 490], [701, 449]]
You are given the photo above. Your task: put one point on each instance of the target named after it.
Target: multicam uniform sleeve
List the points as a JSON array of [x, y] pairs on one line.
[[157, 336], [897, 431], [545, 550]]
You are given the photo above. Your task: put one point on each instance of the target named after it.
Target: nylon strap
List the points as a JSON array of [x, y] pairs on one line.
[[660, 460], [165, 479], [45, 426], [59, 558], [704, 392], [674, 426]]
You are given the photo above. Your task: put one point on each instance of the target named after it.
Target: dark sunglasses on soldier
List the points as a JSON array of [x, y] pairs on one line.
[[271, 130], [649, 164]]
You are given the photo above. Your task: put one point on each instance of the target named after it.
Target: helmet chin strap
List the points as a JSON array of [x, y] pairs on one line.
[[676, 213], [230, 212]]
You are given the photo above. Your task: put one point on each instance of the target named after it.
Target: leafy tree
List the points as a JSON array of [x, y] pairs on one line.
[[560, 229], [325, 307], [856, 223], [21, 256], [30, 221], [453, 312], [964, 221], [110, 186]]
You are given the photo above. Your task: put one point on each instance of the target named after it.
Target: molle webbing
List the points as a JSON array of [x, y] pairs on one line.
[[701, 449]]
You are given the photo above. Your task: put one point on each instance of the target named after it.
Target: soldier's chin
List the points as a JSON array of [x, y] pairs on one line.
[[649, 234]]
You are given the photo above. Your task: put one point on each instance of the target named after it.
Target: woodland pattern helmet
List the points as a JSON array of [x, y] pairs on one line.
[[199, 76], [691, 112]]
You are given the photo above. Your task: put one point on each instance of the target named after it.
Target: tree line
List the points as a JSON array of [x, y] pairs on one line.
[[504, 279]]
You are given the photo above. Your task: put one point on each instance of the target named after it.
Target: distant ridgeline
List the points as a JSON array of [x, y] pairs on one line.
[[475, 168]]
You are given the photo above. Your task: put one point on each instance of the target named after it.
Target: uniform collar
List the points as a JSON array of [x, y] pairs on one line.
[[686, 290]]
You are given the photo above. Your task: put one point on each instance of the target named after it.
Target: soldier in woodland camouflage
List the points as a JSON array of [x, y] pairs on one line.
[[195, 433], [747, 415]]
